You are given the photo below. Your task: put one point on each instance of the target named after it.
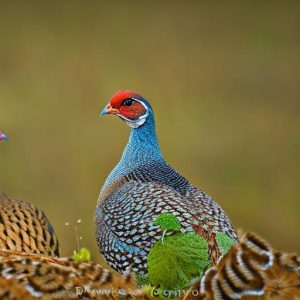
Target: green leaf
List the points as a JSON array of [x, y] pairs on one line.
[[83, 255], [224, 242], [172, 264], [76, 257], [167, 221]]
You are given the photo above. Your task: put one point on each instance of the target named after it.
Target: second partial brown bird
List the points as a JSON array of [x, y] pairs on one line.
[[25, 228]]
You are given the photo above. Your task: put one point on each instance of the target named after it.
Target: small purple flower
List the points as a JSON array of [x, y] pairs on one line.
[[3, 136]]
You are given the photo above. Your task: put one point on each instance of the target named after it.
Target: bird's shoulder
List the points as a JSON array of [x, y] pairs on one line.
[[160, 173], [154, 178]]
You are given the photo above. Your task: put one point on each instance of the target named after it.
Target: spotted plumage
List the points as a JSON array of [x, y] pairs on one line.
[[143, 186]]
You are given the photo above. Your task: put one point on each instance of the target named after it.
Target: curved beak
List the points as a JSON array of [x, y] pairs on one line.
[[108, 109]]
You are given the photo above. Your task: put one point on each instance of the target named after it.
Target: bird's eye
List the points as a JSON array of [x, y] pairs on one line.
[[127, 102]]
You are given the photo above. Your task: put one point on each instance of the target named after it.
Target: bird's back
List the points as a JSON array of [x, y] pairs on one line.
[[25, 228]]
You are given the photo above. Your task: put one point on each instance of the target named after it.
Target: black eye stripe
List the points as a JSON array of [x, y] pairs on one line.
[[127, 102]]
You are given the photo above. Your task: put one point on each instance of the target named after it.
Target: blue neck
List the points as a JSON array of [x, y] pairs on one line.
[[141, 148], [143, 144]]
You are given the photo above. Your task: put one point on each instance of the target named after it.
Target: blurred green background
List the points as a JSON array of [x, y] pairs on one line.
[[223, 79]]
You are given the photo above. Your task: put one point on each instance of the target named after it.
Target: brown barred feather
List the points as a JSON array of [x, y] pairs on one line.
[[252, 270], [10, 289], [31, 276], [282, 279], [213, 247], [25, 228]]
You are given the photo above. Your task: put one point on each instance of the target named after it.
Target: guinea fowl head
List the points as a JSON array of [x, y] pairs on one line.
[[130, 107], [3, 136], [143, 145]]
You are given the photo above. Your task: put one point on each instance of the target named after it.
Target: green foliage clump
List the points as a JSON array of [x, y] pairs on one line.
[[179, 257], [172, 264], [142, 280], [224, 242], [167, 221], [84, 255]]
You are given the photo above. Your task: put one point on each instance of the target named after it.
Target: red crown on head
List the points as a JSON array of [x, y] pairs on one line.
[[117, 99]]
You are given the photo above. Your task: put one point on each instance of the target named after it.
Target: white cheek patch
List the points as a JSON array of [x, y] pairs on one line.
[[137, 123]]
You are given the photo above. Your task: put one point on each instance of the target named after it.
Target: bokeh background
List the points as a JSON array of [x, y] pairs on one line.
[[223, 79]]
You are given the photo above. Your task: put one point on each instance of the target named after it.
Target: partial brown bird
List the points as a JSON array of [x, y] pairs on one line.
[[28, 276], [24, 227], [252, 270]]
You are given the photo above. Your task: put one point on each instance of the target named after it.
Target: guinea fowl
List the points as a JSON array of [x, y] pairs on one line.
[[24, 227], [141, 187]]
